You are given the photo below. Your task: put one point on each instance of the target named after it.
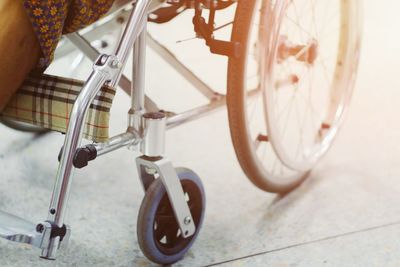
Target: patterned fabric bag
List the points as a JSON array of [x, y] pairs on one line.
[[52, 18]]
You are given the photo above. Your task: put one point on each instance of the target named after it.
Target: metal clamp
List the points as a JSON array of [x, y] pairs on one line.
[[108, 64], [50, 230], [154, 127]]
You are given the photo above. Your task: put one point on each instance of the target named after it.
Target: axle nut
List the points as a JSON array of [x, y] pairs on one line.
[[187, 220]]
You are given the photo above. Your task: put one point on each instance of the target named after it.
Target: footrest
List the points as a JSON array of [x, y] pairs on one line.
[[46, 101], [16, 229]]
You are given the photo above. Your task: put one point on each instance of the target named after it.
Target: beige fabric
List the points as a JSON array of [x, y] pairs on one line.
[[47, 101]]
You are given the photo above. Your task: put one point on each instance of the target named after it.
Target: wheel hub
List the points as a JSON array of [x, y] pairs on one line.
[[304, 53]]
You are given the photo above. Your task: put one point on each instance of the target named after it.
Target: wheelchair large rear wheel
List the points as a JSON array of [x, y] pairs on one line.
[[291, 85]]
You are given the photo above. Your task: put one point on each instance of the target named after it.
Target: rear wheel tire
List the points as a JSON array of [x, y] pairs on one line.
[[264, 150]]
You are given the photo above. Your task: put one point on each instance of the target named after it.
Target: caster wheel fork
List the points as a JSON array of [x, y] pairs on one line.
[[159, 234]]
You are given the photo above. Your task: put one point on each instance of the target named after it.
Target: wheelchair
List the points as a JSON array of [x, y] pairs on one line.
[[291, 70]]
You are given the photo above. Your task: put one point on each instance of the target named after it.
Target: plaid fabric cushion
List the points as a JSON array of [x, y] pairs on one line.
[[47, 101]]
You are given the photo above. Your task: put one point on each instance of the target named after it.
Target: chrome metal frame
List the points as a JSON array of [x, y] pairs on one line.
[[145, 131]]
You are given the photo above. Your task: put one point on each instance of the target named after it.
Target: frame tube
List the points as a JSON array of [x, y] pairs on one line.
[[72, 141], [101, 73]]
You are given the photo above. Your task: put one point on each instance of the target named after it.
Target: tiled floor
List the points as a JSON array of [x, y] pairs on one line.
[[346, 214]]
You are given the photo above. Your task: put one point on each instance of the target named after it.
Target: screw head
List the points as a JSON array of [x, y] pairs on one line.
[[116, 64], [187, 220], [150, 171], [103, 59], [40, 228], [120, 20]]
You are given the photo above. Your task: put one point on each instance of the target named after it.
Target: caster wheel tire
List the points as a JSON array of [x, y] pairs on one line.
[[159, 236]]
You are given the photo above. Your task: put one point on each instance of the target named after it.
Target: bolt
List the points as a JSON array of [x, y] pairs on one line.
[[150, 170], [120, 20], [187, 220], [104, 44], [52, 211], [116, 64], [40, 228], [103, 59]]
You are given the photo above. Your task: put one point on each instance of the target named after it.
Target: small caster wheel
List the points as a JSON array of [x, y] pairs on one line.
[[158, 232]]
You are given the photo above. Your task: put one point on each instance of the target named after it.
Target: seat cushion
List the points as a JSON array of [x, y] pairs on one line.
[[46, 101]]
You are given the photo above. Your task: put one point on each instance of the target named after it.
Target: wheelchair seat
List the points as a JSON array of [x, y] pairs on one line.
[[46, 101]]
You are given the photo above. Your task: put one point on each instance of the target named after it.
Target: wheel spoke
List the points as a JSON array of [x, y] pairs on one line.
[[171, 235]]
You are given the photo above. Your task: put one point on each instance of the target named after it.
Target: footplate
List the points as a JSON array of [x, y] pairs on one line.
[[19, 230], [16, 229]]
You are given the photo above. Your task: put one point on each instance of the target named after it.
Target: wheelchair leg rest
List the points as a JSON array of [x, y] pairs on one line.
[[103, 70]]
